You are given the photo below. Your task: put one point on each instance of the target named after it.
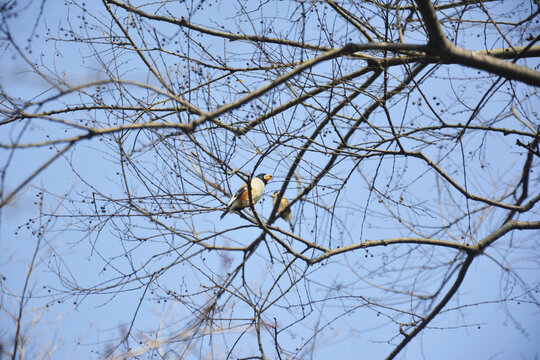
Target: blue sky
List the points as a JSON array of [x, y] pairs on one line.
[[475, 324]]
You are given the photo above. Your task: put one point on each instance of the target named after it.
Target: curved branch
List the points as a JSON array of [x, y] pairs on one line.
[[443, 48], [425, 321], [385, 242]]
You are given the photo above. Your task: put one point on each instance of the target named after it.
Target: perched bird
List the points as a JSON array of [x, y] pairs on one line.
[[285, 215], [240, 200]]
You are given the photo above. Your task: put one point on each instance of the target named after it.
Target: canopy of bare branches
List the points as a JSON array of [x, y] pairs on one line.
[[403, 134]]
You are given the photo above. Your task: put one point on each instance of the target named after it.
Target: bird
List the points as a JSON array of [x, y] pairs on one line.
[[240, 200], [285, 215]]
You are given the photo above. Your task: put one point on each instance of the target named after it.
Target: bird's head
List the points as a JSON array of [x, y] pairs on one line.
[[264, 177], [275, 195]]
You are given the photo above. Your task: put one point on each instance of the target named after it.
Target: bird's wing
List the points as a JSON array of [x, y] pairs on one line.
[[240, 193], [257, 188]]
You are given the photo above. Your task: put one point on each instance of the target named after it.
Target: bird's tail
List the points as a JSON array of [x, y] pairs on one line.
[[224, 213]]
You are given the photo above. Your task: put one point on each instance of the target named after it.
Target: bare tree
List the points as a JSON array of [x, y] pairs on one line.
[[403, 134]]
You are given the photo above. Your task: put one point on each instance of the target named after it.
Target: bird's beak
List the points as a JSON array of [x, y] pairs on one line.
[[267, 177]]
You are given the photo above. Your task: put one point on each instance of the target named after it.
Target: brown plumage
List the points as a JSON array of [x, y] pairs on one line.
[[287, 214]]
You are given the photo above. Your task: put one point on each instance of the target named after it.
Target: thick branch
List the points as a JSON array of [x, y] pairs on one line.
[[505, 228], [447, 52], [436, 310]]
